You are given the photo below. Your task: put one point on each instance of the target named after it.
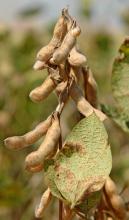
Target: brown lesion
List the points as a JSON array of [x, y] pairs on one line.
[[72, 147]]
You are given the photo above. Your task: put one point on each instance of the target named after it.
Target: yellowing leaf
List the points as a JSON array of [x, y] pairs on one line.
[[49, 173], [84, 163]]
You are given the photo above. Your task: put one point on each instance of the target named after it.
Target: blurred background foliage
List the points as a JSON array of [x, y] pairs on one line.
[[19, 190]]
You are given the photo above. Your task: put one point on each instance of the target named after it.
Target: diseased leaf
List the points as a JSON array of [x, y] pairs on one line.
[[49, 170], [84, 163]]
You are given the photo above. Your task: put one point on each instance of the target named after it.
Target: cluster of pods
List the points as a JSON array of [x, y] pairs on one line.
[[67, 69]]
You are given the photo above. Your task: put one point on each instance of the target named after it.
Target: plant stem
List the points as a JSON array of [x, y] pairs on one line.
[[60, 202], [60, 210]]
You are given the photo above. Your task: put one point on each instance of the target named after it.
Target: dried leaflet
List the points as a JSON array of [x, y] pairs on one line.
[[59, 32], [19, 142], [47, 149]]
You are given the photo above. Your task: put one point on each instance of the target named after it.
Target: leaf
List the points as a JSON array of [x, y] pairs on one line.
[[120, 119], [89, 203], [84, 163], [49, 174], [120, 79], [120, 88]]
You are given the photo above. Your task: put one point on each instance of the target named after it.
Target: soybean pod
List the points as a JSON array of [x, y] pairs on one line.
[[76, 58], [47, 148], [115, 199], [90, 86], [59, 32], [82, 104], [19, 142], [69, 41], [39, 65], [44, 202], [40, 93]]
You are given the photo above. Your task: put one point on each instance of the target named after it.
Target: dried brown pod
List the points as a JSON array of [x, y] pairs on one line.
[[58, 34], [99, 211], [114, 200], [44, 202], [118, 206], [68, 213], [19, 142], [47, 149], [110, 187], [40, 93], [90, 86], [82, 104], [69, 19], [39, 65], [69, 41], [76, 58]]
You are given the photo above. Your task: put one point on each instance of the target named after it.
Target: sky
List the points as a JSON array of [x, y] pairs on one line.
[[104, 11], [10, 8]]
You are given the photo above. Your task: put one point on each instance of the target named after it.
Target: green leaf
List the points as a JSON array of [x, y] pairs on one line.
[[120, 79], [120, 119], [84, 163], [120, 88]]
